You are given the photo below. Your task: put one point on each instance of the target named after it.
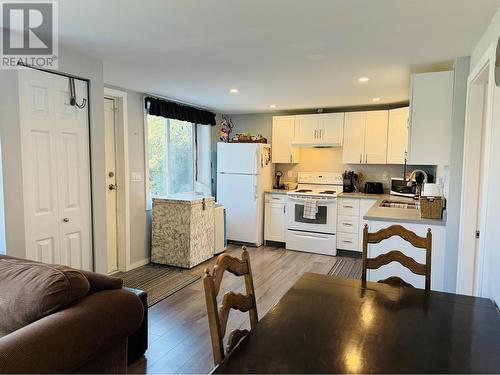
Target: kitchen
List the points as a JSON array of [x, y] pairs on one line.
[[312, 152]]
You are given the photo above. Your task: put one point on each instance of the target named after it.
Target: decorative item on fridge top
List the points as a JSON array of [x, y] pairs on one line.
[[226, 127], [248, 138]]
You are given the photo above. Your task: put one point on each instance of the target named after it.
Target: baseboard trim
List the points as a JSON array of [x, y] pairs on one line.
[[137, 264]]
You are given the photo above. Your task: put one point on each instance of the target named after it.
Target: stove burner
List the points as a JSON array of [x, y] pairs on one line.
[[327, 192], [303, 191]]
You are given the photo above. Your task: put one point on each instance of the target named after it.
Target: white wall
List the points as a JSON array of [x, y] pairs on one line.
[[455, 172], [491, 272], [3, 244], [140, 218]]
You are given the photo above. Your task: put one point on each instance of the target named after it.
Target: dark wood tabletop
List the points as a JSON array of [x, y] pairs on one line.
[[334, 325]]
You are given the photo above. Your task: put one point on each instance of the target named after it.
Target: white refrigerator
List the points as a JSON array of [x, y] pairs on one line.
[[244, 172]]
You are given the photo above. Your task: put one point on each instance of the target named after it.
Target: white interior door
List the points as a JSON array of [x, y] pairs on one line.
[[109, 123], [56, 170]]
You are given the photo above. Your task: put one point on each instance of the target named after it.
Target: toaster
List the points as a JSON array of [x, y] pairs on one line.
[[374, 188]]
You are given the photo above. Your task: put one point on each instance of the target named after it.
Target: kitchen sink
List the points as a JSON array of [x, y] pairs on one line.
[[398, 204]]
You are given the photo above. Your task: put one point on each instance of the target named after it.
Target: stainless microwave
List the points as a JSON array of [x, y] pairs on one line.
[[400, 187]]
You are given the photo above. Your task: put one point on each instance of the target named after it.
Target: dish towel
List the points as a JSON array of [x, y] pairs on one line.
[[310, 208]]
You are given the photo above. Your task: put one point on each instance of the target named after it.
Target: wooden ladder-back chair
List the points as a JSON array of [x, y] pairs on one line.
[[217, 319], [398, 256]]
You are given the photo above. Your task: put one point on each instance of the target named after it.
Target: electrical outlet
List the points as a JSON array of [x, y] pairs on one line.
[[289, 174], [385, 176]]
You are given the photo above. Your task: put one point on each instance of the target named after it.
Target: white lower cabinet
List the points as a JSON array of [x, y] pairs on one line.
[[364, 206], [350, 222], [275, 217]]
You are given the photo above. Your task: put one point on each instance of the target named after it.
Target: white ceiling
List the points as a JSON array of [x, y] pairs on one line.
[[291, 53]]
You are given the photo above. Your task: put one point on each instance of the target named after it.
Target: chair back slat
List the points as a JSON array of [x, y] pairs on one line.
[[396, 255], [400, 231], [235, 301], [218, 319], [225, 262]]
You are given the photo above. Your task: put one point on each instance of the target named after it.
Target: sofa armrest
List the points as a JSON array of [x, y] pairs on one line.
[[68, 339]]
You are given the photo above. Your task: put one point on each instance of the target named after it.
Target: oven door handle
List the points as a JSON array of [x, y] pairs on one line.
[[320, 201]]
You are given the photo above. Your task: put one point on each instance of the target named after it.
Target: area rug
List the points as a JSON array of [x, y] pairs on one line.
[[157, 281], [346, 267]]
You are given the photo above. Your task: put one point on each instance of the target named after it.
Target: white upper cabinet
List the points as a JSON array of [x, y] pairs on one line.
[[354, 138], [283, 134], [332, 129], [325, 129], [365, 137], [431, 98], [397, 137], [377, 123], [306, 129]]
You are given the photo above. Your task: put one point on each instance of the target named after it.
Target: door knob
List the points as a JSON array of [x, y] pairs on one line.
[[66, 219], [112, 187]]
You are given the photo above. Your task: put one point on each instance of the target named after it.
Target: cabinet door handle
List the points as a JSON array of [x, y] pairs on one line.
[[321, 133], [348, 206], [360, 158], [315, 133], [347, 224], [366, 158], [290, 158], [346, 241], [284, 209]]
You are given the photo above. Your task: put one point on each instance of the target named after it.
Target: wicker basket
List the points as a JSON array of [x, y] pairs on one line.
[[431, 207]]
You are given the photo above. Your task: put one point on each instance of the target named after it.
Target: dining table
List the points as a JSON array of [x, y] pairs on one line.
[[327, 324]]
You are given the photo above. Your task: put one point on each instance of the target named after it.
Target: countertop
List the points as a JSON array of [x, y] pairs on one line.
[[365, 196], [278, 191], [187, 198], [400, 215]]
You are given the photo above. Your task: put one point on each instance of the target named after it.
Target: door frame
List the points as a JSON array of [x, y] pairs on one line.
[[470, 267], [122, 177]]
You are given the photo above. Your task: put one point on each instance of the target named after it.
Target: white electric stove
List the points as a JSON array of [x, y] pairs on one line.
[[314, 235]]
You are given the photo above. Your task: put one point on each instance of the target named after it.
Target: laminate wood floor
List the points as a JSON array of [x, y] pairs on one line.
[[179, 339]]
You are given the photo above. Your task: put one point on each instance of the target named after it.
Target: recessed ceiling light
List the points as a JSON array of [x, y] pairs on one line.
[[233, 91], [376, 99], [272, 106], [363, 79]]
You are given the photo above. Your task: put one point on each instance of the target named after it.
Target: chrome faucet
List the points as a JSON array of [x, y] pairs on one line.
[[418, 190]]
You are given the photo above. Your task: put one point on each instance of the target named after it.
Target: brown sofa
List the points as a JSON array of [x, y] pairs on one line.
[[75, 321]]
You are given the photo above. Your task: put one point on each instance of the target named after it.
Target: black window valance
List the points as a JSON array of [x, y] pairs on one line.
[[164, 108]]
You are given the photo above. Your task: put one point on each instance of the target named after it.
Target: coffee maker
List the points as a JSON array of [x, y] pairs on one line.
[[349, 178]]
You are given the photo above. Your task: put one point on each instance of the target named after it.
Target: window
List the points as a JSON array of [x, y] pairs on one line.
[[179, 157], [171, 156]]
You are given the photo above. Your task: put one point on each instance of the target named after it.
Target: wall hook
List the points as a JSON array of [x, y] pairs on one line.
[[72, 95]]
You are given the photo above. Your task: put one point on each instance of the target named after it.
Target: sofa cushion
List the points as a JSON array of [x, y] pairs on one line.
[[99, 282], [30, 290]]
